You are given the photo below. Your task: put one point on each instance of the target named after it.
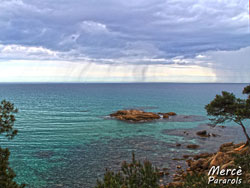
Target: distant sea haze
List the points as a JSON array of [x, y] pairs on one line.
[[65, 140]]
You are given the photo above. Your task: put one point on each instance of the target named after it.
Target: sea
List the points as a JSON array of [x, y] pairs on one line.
[[66, 138]]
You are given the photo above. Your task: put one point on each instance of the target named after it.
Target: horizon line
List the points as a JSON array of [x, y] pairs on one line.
[[124, 82]]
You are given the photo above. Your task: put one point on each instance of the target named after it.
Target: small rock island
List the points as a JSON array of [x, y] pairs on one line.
[[134, 115]]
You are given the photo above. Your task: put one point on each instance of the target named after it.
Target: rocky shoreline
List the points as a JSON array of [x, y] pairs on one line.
[[209, 153], [200, 164]]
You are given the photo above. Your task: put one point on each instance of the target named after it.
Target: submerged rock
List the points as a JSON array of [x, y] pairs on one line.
[[134, 115], [202, 133], [193, 146]]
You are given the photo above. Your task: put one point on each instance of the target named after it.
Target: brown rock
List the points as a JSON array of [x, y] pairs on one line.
[[185, 132], [238, 145], [175, 175], [175, 184], [222, 126], [186, 156], [219, 159], [205, 164], [165, 116], [202, 155], [214, 135], [202, 133], [227, 144], [193, 146], [177, 179], [228, 165], [226, 147], [166, 173], [161, 173], [118, 113], [195, 165], [171, 113], [165, 169], [177, 159], [135, 115], [248, 175], [189, 161]]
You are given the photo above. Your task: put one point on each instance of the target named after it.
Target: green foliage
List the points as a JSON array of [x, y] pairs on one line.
[[7, 174], [7, 119], [132, 175], [246, 90], [226, 107], [201, 181], [197, 180], [243, 161]]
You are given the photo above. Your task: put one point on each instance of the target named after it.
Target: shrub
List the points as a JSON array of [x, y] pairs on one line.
[[132, 175]]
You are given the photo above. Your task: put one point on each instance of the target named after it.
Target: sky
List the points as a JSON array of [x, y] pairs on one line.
[[124, 41]]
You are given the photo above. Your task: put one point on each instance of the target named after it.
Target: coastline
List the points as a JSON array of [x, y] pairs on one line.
[[207, 146]]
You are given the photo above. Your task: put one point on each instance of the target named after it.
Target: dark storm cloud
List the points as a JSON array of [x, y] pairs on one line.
[[129, 29]]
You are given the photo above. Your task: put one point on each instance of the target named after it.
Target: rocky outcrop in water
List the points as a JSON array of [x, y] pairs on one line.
[[204, 133], [134, 115]]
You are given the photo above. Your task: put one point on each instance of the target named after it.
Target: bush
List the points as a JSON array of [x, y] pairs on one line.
[[132, 175], [197, 180], [201, 181], [243, 161]]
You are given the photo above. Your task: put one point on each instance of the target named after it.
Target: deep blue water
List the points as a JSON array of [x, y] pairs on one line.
[[65, 140]]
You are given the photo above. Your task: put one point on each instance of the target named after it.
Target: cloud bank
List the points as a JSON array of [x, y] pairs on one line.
[[210, 37]]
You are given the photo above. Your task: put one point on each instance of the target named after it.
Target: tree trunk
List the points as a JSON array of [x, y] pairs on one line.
[[245, 132]]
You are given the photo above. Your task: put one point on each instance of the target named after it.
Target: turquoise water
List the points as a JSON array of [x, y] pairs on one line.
[[65, 139]]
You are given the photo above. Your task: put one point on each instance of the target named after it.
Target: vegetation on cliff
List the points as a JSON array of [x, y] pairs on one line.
[[7, 120], [132, 175]]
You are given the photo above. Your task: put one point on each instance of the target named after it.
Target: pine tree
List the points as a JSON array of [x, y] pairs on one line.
[[7, 120], [226, 107]]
